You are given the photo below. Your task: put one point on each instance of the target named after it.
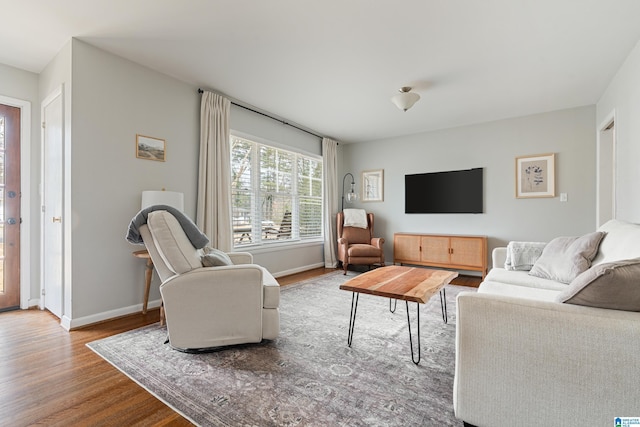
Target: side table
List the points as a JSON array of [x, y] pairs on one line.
[[144, 254]]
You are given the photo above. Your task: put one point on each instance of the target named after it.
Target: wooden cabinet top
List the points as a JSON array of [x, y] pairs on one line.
[[438, 235]]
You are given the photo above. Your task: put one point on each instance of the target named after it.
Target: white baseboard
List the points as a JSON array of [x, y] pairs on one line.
[[68, 323], [298, 270], [105, 315]]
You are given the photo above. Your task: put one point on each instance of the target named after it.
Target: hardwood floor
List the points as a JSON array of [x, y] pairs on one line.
[[49, 377]]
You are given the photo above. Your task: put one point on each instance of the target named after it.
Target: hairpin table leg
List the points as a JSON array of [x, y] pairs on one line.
[[443, 306], [352, 317], [410, 338]]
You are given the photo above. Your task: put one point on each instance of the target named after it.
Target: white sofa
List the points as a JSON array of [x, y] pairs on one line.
[[207, 307], [525, 359]]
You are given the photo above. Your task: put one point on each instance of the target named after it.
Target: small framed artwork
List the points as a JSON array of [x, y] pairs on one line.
[[150, 148], [373, 185], [535, 176]]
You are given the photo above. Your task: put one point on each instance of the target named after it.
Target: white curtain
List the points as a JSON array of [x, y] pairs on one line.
[[213, 215], [330, 200]]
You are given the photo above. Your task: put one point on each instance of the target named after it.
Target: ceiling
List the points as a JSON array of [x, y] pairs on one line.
[[332, 66]]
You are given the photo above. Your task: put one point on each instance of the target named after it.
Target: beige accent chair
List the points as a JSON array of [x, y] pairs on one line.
[[208, 307], [357, 246]]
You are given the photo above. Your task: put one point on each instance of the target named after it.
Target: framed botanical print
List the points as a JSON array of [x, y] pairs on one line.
[[535, 176], [373, 185]]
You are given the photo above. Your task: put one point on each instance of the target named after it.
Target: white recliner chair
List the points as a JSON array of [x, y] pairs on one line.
[[208, 307]]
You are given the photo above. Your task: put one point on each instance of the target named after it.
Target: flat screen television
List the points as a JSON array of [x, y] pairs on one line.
[[458, 191]]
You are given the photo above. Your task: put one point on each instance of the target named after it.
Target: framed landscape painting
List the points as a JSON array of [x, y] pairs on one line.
[[150, 148], [535, 176]]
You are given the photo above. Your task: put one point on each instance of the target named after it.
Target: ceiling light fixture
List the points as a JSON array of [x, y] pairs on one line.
[[405, 99]]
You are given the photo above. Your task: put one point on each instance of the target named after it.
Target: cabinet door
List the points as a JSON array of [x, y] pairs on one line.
[[435, 249], [467, 251], [406, 247]]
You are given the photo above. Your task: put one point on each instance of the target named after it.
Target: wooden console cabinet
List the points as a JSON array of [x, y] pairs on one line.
[[440, 250]]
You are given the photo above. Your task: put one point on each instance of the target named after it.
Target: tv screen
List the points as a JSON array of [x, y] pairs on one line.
[[444, 192]]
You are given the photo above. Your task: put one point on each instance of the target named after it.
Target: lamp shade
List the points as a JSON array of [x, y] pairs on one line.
[[405, 99], [169, 198]]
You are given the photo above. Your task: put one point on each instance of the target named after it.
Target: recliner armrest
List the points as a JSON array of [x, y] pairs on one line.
[[239, 258], [377, 242]]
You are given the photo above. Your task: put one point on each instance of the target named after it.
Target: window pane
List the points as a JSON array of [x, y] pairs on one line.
[[276, 216], [276, 168], [267, 206], [241, 190], [310, 217]]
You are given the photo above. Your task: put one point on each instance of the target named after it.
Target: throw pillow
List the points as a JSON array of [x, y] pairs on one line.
[[614, 285], [564, 258], [214, 258]]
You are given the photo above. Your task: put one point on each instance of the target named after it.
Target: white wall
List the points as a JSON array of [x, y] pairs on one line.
[[108, 100], [623, 96], [23, 85], [113, 100], [494, 147]]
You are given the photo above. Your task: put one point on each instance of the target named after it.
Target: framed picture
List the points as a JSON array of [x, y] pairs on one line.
[[535, 176], [150, 148], [373, 185]]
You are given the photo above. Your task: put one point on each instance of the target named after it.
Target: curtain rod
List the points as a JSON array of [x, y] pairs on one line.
[[271, 117]]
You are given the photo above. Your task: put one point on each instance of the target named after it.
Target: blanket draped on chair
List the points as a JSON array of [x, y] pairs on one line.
[[197, 238]]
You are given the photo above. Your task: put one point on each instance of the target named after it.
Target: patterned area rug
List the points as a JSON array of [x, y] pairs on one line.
[[308, 376]]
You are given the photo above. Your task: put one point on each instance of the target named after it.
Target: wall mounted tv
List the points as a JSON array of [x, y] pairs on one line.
[[458, 191]]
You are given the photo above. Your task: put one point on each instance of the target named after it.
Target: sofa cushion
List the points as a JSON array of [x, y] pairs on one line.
[[522, 278], [509, 290], [614, 285], [172, 243], [214, 258], [621, 242], [564, 258], [362, 250]]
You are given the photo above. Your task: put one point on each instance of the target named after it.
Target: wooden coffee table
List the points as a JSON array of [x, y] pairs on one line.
[[400, 283]]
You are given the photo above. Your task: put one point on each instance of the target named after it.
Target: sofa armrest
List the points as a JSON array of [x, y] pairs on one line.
[[499, 257], [554, 363]]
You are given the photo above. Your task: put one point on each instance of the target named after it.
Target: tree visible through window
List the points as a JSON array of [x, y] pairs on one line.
[[276, 194]]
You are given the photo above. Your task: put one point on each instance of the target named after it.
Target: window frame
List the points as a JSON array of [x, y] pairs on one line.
[[257, 242]]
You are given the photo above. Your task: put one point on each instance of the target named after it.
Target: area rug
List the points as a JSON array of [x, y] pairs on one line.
[[309, 376]]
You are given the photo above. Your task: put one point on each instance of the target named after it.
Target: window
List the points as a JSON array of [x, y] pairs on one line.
[[276, 195]]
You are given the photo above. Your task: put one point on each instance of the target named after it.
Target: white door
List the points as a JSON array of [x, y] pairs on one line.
[[52, 220]]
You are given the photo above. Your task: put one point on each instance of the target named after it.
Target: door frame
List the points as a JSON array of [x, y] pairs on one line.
[[602, 128], [25, 199], [65, 302]]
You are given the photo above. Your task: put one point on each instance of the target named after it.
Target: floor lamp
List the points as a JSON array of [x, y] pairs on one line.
[[352, 196]]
